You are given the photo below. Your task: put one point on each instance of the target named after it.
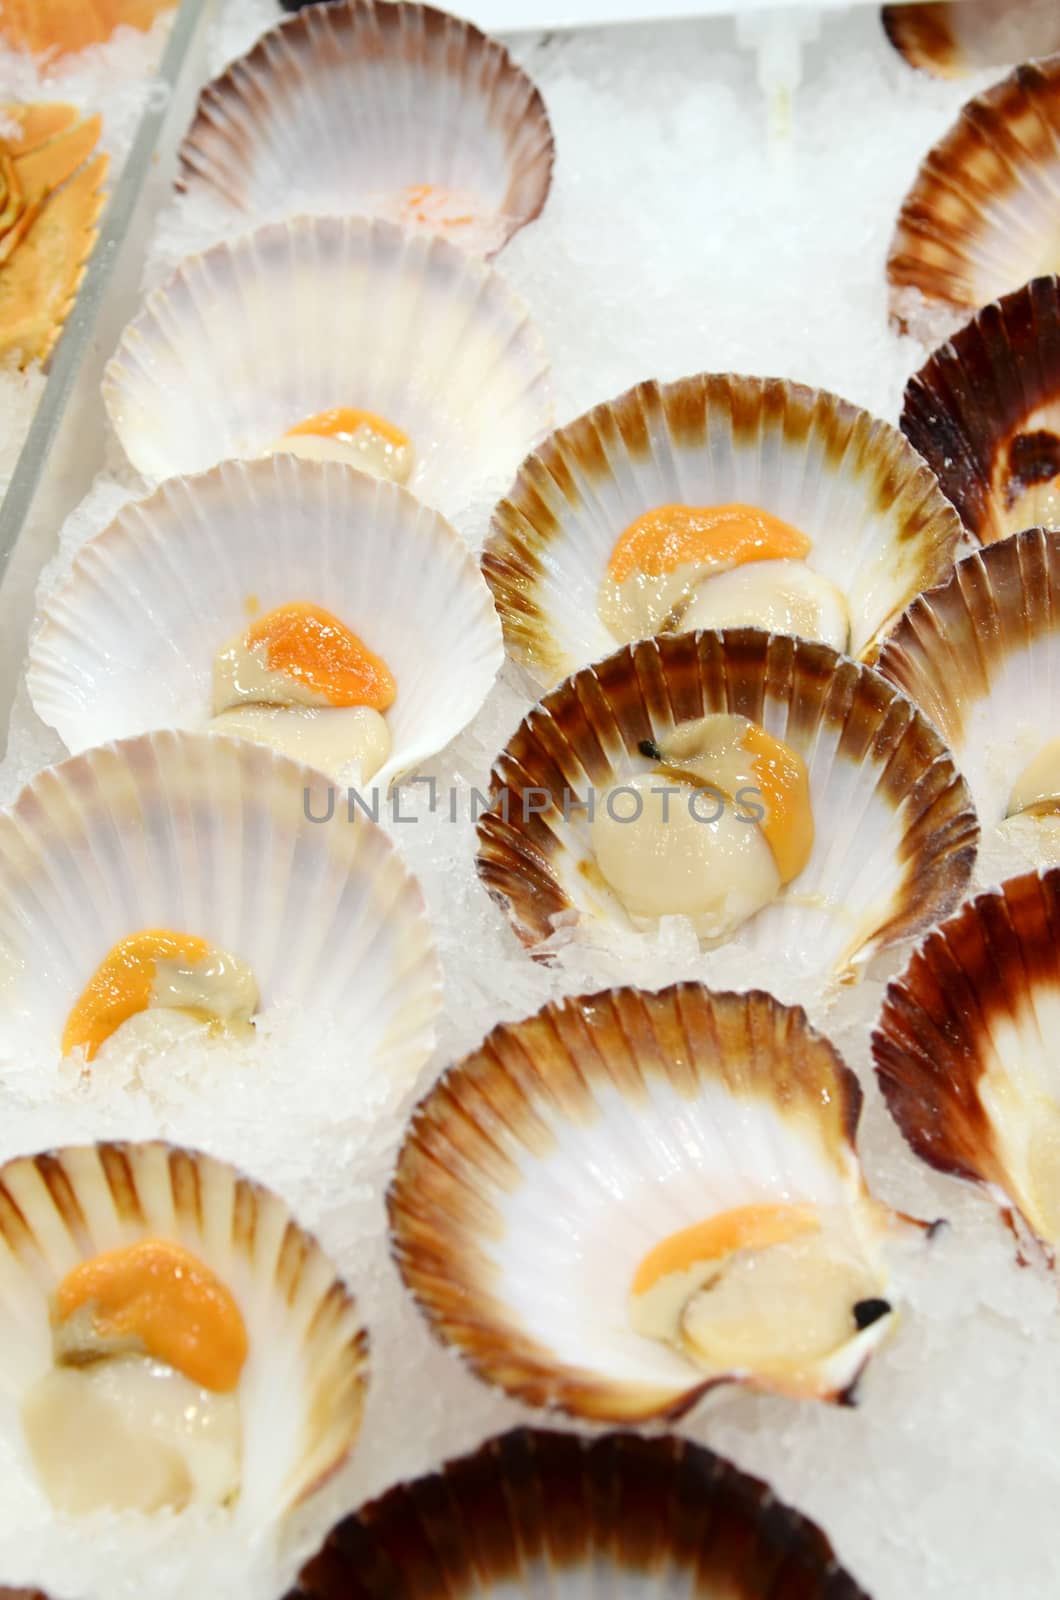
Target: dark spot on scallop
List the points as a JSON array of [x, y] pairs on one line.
[[1032, 458], [650, 750], [866, 1312]]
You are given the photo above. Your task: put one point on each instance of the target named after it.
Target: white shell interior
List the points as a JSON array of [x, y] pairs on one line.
[[128, 643], [353, 114], [212, 837], [589, 1210], [855, 544], [251, 338], [275, 1386]]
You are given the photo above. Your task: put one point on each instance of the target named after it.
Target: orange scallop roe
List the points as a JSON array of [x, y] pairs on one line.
[[121, 985], [310, 644], [744, 1228], [424, 201], [678, 536], [342, 422], [784, 786], [61, 27], [162, 1296]]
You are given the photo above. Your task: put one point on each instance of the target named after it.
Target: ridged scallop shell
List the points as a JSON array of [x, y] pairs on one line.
[[128, 642], [980, 220], [618, 1515], [540, 1171], [984, 412], [356, 105], [895, 832], [62, 27], [213, 837], [957, 37], [980, 655], [880, 528], [302, 1390], [250, 338], [965, 1044]]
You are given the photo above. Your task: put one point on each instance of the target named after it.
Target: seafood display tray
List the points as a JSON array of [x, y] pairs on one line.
[[689, 230]]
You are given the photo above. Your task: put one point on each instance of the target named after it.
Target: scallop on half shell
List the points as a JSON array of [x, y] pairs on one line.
[[980, 219], [965, 1050], [714, 502], [631, 1198], [980, 655], [955, 38], [337, 338], [181, 880], [853, 781], [139, 635], [378, 109], [170, 1336], [984, 412], [536, 1512]]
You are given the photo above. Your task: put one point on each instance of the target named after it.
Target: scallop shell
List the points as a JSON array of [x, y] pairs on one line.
[[541, 1169], [957, 37], [227, 841], [302, 1390], [277, 530], [61, 27], [879, 526], [981, 656], [254, 336], [895, 830], [618, 1515], [964, 1046], [356, 107], [980, 220], [984, 412]]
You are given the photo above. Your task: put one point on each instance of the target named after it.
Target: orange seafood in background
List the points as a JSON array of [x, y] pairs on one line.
[[61, 27], [50, 199]]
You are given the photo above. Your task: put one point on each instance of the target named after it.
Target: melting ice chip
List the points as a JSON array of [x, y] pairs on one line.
[[299, 680], [686, 567], [357, 438], [158, 970], [716, 829], [139, 1410]]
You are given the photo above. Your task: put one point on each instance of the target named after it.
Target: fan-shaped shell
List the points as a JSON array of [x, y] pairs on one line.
[[127, 644], [965, 1048], [374, 108], [984, 412], [981, 656], [224, 840], [541, 1169], [980, 219], [956, 37], [895, 833], [249, 339], [642, 1516], [879, 527], [302, 1390]]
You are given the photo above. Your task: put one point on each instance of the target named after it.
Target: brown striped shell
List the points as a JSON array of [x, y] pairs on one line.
[[879, 527], [354, 105], [980, 219], [980, 655], [952, 38], [536, 1507], [308, 1346], [965, 1048], [896, 832], [984, 412], [541, 1168]]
